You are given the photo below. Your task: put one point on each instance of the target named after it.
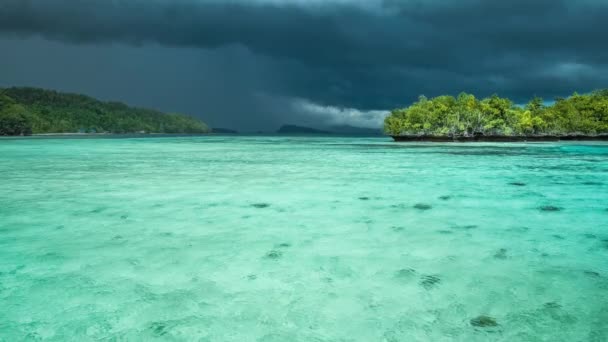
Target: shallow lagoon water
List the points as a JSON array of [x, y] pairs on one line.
[[236, 238]]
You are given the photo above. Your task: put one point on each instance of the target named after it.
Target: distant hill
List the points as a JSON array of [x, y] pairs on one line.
[[341, 129], [32, 110], [223, 130], [300, 130], [347, 129]]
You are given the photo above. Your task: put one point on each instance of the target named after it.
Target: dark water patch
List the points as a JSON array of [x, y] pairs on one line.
[[559, 237], [519, 229], [592, 274], [364, 198], [133, 261], [552, 305], [549, 208], [445, 232], [517, 184], [465, 227], [429, 281], [166, 234], [260, 205], [422, 206], [252, 277], [590, 236], [405, 273], [484, 151], [16, 270], [159, 329], [592, 183], [117, 237], [124, 217], [501, 254], [483, 321], [397, 228], [98, 210], [51, 256], [445, 197], [59, 227], [283, 245], [274, 254]]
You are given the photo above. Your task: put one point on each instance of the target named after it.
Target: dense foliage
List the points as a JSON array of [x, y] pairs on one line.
[[30, 110], [465, 115]]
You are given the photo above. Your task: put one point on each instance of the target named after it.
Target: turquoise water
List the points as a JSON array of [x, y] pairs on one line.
[[302, 239]]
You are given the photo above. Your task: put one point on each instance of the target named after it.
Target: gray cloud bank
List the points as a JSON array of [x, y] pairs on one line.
[[359, 55]]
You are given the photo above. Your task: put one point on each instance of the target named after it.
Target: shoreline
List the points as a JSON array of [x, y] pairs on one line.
[[102, 135], [499, 138]]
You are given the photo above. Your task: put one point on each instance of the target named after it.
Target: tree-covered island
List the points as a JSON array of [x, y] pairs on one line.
[[466, 117], [25, 111]]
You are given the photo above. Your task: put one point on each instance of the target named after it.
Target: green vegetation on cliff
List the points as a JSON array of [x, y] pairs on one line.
[[25, 111], [465, 115]]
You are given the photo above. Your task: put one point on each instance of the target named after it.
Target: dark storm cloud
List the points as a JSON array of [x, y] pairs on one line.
[[363, 54]]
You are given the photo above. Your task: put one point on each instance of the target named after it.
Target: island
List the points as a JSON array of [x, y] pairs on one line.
[[223, 130], [26, 111], [336, 129], [294, 129], [466, 118]]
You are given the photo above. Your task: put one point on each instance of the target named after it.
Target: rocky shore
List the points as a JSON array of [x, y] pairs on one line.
[[499, 138]]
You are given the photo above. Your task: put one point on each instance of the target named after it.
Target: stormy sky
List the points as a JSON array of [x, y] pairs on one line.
[[254, 65]]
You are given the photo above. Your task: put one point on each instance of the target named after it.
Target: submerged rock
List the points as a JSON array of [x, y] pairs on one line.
[[467, 227], [501, 254], [593, 183], [549, 208], [422, 206], [483, 321], [552, 305], [159, 328], [274, 254], [592, 273], [260, 205], [405, 273], [429, 281], [517, 183]]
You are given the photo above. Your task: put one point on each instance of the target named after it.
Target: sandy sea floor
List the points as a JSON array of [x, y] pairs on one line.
[[236, 238]]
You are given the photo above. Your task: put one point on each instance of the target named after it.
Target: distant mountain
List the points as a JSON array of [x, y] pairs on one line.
[[223, 130], [291, 129], [347, 129], [338, 129], [24, 111]]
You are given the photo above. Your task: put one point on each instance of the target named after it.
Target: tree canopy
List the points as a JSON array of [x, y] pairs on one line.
[[25, 111], [466, 115]]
